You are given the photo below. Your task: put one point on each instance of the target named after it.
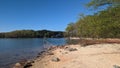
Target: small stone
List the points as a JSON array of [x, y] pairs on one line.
[[23, 62], [29, 61], [71, 49], [32, 61], [66, 52], [37, 56], [28, 65], [50, 53], [66, 47], [116, 66], [55, 59], [17, 65]]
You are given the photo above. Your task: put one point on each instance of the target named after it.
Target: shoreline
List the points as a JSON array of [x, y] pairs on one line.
[[28, 63], [70, 55], [46, 57]]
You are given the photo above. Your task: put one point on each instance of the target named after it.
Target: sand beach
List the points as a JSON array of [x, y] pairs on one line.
[[76, 56]]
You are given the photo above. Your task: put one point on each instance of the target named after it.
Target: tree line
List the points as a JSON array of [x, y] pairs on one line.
[[103, 24], [32, 34]]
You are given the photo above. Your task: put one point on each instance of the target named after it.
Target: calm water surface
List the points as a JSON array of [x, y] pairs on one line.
[[13, 50]]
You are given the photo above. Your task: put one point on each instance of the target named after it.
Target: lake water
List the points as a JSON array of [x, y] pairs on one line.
[[14, 50]]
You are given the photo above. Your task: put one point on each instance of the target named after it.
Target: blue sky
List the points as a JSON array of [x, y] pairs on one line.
[[40, 14]]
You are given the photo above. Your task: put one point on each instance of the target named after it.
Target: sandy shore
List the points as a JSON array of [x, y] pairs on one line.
[[93, 56]]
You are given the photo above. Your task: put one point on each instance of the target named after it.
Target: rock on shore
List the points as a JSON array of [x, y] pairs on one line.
[[93, 56]]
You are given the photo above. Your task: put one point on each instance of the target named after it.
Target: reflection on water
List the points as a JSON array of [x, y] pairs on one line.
[[13, 50]]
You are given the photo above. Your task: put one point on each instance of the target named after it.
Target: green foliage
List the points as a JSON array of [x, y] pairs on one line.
[[97, 3], [32, 34], [103, 24], [71, 29]]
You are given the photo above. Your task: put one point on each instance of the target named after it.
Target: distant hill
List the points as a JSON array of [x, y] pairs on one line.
[[32, 34]]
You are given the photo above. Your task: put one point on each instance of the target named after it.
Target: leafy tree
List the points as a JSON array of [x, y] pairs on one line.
[[103, 24], [71, 29], [97, 3]]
